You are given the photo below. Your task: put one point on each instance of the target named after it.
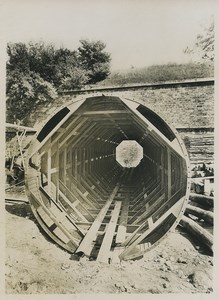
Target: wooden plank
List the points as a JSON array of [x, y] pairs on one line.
[[57, 174], [14, 198], [49, 170], [87, 243], [44, 216], [169, 184], [104, 252], [114, 256], [121, 233]]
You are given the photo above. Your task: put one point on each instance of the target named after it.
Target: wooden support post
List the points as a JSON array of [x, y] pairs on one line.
[[104, 253], [87, 243]]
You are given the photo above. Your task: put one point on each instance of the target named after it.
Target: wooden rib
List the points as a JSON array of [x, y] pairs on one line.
[[59, 212], [174, 210], [36, 196], [144, 215], [87, 243], [107, 240], [83, 199], [73, 207]]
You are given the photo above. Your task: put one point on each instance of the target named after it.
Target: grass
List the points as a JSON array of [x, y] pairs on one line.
[[159, 73]]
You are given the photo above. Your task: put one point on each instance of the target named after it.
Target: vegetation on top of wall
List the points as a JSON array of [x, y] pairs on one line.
[[160, 73], [201, 54], [35, 72]]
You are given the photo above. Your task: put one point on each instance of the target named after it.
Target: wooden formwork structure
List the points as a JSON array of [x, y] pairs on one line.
[[85, 200]]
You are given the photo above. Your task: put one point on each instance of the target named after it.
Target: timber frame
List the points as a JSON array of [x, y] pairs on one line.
[[85, 200]]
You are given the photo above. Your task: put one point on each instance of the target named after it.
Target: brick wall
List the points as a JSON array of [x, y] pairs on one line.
[[183, 107], [188, 108]]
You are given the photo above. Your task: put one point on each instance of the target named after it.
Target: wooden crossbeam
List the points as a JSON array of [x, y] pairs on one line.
[[104, 252], [87, 243], [104, 112]]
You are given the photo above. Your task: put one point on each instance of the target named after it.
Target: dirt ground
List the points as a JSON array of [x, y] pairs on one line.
[[35, 265]]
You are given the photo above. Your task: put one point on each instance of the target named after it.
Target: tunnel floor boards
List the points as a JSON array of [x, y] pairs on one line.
[[104, 253], [87, 243]]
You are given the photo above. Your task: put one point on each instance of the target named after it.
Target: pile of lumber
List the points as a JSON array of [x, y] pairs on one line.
[[200, 207]]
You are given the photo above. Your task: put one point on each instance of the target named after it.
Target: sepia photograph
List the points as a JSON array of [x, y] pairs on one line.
[[109, 147]]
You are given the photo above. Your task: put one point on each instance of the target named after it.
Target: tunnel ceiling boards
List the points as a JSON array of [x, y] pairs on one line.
[[107, 178]]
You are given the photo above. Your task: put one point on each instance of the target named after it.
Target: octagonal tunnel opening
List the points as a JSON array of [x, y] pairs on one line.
[[85, 194]]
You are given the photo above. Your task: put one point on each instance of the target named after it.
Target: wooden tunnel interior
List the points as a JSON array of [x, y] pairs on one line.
[[86, 199]]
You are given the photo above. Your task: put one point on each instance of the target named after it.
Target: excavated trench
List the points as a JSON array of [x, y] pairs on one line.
[[107, 178]]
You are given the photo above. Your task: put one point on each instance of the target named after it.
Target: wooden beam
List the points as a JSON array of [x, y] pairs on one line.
[[49, 170], [57, 174], [202, 199], [104, 253], [87, 243], [121, 233], [169, 184], [208, 216], [14, 198], [104, 112], [65, 165], [196, 230]]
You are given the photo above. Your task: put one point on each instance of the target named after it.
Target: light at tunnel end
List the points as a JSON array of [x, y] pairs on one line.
[[129, 154]]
